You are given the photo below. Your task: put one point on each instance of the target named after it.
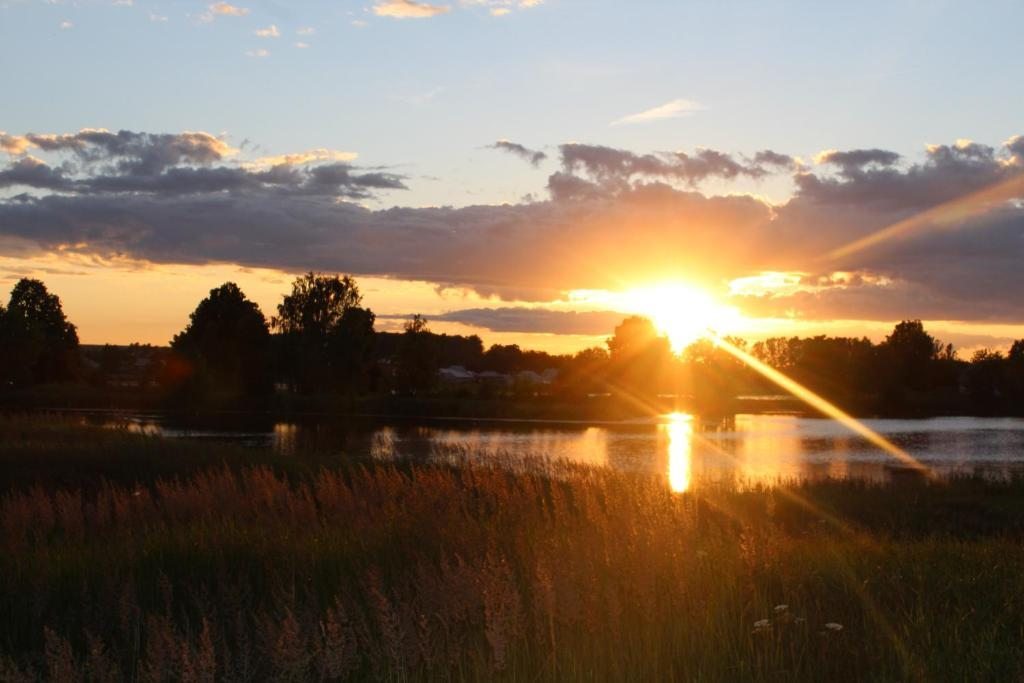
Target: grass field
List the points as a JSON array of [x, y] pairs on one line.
[[130, 558]]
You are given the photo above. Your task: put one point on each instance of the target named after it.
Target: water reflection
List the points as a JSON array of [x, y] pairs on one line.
[[679, 430], [683, 449]]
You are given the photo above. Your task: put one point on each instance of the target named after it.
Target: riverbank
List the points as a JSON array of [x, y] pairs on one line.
[[243, 566]]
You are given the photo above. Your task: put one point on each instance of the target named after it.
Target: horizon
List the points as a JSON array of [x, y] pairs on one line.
[[462, 165]]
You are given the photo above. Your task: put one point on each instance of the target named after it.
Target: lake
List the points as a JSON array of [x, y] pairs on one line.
[[748, 448]]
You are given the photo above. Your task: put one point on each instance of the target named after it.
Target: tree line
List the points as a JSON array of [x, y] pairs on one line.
[[322, 341]]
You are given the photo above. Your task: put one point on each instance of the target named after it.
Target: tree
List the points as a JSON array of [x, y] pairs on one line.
[[417, 357], [351, 350], [327, 336], [910, 352], [37, 343], [227, 343], [639, 356]]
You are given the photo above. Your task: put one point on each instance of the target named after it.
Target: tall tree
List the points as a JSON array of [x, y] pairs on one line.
[[227, 342], [639, 357], [910, 352], [327, 335], [37, 343], [417, 357]]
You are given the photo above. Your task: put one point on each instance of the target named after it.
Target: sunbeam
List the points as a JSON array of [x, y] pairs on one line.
[[943, 216], [818, 403]]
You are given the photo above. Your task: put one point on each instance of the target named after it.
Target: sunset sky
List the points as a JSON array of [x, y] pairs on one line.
[[527, 170]]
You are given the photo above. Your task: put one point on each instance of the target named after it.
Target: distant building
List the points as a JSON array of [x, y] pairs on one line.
[[456, 374]]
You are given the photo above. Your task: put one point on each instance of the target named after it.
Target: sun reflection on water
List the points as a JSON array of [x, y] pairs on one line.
[[679, 430]]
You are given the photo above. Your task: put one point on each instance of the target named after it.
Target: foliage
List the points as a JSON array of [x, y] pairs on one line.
[[327, 337], [37, 343], [638, 357], [417, 361], [227, 342]]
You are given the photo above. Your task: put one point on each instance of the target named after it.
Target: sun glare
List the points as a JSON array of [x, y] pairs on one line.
[[681, 312]]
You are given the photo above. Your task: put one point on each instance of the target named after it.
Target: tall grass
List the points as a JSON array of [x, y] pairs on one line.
[[470, 572]]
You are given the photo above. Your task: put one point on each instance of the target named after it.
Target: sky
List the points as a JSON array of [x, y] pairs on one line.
[[526, 170]]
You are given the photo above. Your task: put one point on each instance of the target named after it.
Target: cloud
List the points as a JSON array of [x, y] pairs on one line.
[[596, 168], [98, 162], [408, 9], [534, 320], [258, 53], [531, 155], [613, 218], [301, 45], [222, 9], [305, 31], [65, 25], [14, 144], [501, 8], [158, 18], [669, 110], [268, 32], [127, 150]]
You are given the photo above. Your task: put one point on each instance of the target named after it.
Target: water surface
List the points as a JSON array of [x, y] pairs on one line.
[[747, 448]]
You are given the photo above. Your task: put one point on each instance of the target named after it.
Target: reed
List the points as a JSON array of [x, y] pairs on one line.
[[545, 571]]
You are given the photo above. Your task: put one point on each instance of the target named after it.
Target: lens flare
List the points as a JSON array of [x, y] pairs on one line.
[[944, 216], [818, 403]]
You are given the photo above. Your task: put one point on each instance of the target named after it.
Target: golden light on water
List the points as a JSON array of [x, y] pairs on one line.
[[679, 430], [819, 403]]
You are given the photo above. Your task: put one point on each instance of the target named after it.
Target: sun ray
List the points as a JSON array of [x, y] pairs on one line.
[[943, 216], [818, 403]]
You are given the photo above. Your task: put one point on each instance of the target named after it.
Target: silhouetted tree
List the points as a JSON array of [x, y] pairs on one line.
[[585, 373], [417, 357], [227, 343], [351, 351], [910, 351], [639, 357], [714, 376], [327, 338], [986, 380], [37, 343]]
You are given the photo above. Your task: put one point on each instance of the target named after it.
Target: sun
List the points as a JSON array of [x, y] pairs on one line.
[[681, 312]]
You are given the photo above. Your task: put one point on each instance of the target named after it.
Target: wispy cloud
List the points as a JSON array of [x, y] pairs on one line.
[[301, 45], [531, 155], [409, 9], [222, 9], [669, 110], [305, 31], [268, 32], [261, 52], [320, 154], [153, 16], [65, 25]]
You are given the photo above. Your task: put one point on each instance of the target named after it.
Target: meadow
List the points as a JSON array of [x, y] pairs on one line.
[[125, 557]]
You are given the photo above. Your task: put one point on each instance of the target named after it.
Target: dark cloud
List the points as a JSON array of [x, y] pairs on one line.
[[767, 157], [852, 162], [614, 168], [531, 155], [521, 319], [613, 217], [135, 153], [98, 162], [31, 172]]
